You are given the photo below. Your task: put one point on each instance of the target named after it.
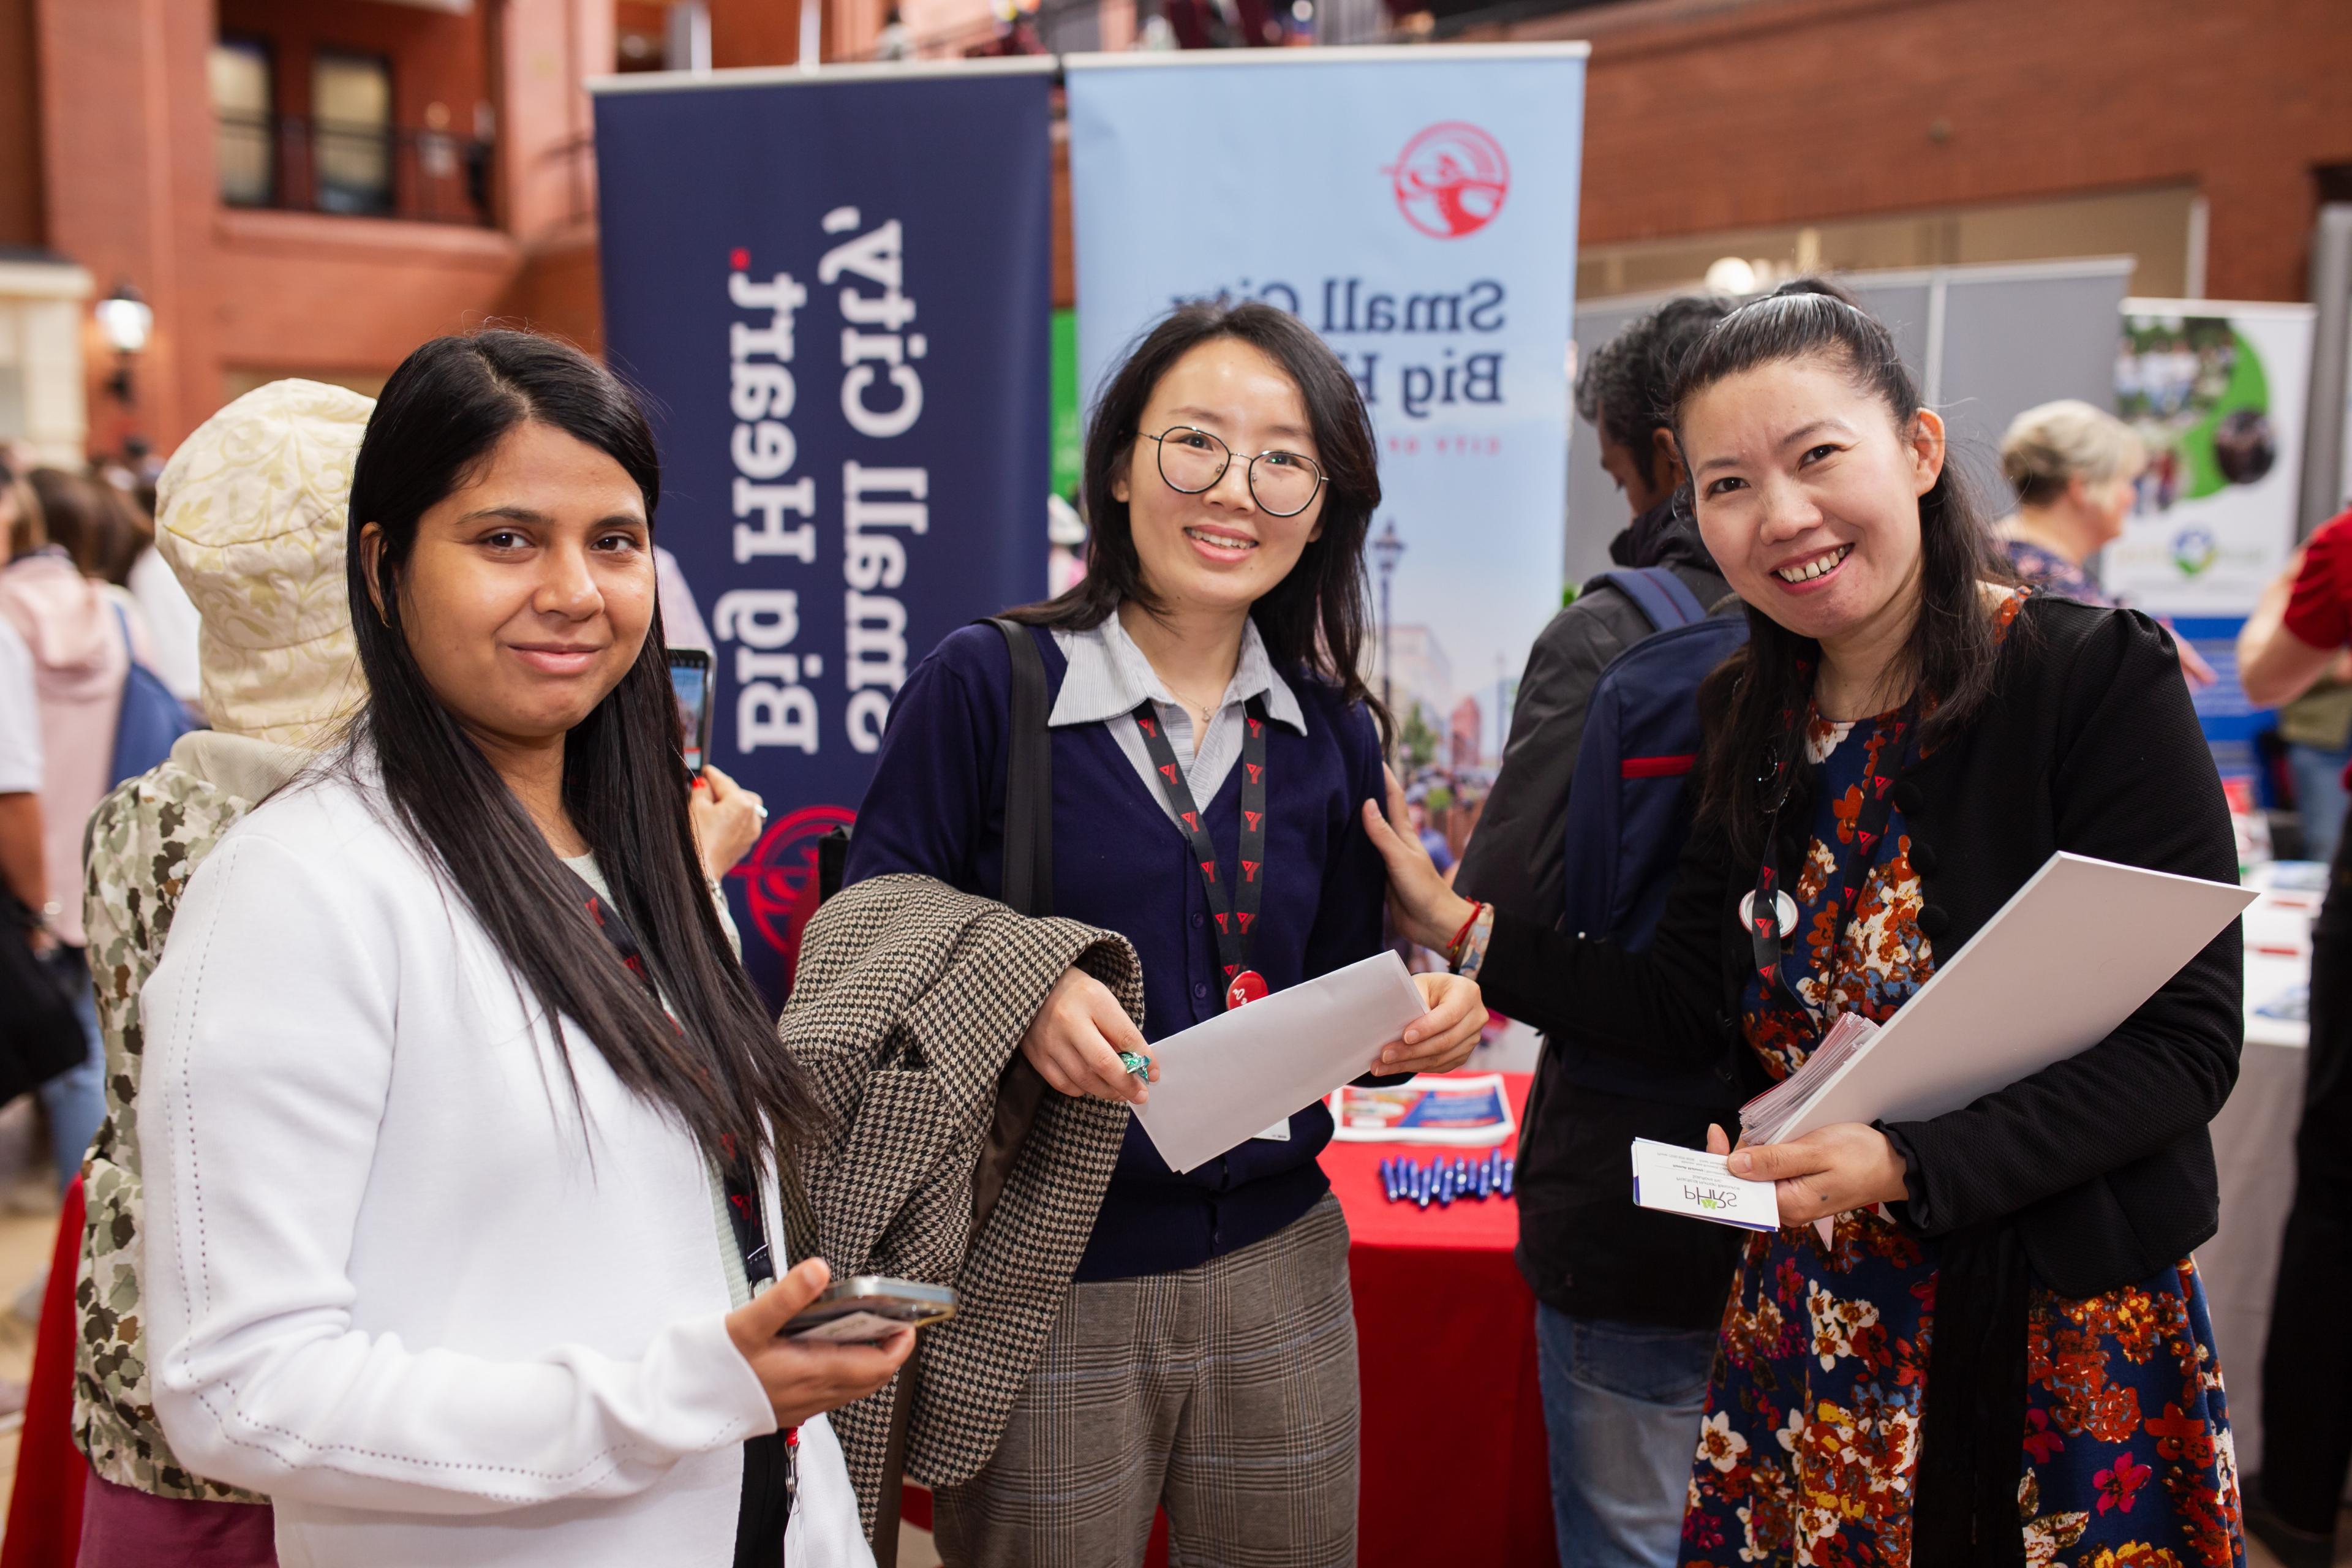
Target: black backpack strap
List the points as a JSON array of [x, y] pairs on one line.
[[1028, 890], [1028, 779]]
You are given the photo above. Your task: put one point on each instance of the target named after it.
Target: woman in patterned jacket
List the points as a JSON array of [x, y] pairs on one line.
[[1907, 739], [252, 521]]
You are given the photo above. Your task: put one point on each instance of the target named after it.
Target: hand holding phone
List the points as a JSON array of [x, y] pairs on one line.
[[869, 1308], [728, 820], [803, 1378]]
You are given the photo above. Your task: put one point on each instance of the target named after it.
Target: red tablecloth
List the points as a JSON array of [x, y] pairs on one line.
[[1454, 1457]]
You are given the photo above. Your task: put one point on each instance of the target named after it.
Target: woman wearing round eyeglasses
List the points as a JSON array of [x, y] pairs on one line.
[[1207, 715]]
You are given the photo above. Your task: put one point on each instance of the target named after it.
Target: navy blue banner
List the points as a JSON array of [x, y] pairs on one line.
[[836, 290]]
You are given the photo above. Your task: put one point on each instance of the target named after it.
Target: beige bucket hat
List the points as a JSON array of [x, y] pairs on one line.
[[251, 515]]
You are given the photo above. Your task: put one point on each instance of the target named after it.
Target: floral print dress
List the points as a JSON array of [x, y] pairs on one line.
[[1813, 1414]]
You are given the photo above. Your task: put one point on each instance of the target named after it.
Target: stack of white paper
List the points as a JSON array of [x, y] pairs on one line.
[[1762, 1118]]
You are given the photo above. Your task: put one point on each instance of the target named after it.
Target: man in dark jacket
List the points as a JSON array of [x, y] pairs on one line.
[[1628, 1298]]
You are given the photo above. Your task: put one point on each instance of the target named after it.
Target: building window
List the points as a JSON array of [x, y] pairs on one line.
[[351, 130], [243, 107]]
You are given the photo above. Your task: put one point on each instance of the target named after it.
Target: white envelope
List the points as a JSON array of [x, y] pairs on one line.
[[1221, 1081]]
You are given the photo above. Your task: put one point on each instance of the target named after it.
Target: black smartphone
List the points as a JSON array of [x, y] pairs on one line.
[[689, 680]]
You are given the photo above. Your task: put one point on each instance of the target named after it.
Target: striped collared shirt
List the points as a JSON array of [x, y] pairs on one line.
[[1109, 678]]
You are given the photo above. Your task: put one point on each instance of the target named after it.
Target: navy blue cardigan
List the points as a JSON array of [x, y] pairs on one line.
[[937, 807]]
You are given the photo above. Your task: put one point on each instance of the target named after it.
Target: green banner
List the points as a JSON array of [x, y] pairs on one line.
[[1069, 431]]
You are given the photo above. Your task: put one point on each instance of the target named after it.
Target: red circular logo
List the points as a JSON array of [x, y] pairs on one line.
[[1451, 180], [778, 876]]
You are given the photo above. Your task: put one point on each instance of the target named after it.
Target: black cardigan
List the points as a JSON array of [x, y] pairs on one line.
[[2093, 1174], [2088, 744]]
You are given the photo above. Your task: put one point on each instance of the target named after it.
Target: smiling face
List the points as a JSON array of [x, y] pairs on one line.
[[1807, 496], [1218, 550], [529, 588]]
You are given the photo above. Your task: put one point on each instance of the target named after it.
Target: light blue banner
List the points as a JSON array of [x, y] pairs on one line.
[[1418, 208]]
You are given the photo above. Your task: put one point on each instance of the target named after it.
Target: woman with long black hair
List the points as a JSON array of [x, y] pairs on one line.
[[1212, 742], [2000, 1352], [462, 1126]]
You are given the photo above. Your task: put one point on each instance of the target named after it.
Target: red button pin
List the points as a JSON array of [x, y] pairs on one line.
[[1248, 986]]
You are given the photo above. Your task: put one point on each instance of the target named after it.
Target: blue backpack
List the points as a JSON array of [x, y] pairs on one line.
[[152, 717], [1629, 809]]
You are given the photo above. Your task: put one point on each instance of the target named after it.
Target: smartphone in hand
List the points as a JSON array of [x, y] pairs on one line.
[[689, 682], [869, 1308]]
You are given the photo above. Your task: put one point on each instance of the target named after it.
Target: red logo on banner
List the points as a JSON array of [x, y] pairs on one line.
[[1451, 180], [779, 877]]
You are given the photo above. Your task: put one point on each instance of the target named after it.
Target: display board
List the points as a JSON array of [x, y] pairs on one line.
[[836, 289], [2218, 393], [1418, 208]]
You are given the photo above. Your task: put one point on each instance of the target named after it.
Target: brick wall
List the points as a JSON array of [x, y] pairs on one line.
[[125, 171], [1716, 114], [20, 127]]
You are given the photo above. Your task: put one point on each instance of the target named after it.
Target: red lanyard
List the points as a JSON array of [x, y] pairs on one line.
[[1235, 916]]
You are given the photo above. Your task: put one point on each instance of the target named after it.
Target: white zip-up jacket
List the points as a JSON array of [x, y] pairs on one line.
[[394, 1279]]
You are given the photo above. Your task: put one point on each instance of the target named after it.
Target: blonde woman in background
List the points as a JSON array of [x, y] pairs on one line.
[[2073, 468]]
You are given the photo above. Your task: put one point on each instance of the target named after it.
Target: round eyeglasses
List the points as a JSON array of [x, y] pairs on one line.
[[1284, 484]]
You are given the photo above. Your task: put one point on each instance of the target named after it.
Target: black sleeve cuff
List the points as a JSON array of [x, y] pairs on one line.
[[1914, 1210]]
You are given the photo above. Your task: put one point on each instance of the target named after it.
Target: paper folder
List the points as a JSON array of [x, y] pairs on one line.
[[2074, 953]]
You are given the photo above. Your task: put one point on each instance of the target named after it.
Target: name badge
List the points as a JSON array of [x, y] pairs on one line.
[[1783, 907]]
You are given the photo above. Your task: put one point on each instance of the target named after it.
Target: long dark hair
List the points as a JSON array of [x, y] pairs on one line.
[[1759, 696], [1319, 618], [91, 520], [717, 1070]]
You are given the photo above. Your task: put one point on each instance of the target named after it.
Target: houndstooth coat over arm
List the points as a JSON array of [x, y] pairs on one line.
[[909, 1000]]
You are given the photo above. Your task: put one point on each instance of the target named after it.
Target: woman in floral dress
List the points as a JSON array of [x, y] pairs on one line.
[[1814, 1418], [1994, 1348]]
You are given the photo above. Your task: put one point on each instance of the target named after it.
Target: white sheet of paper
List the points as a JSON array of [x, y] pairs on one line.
[[1675, 1180], [1221, 1081]]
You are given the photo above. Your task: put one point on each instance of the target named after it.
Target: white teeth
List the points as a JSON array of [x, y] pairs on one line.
[[1221, 540], [1811, 569]]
